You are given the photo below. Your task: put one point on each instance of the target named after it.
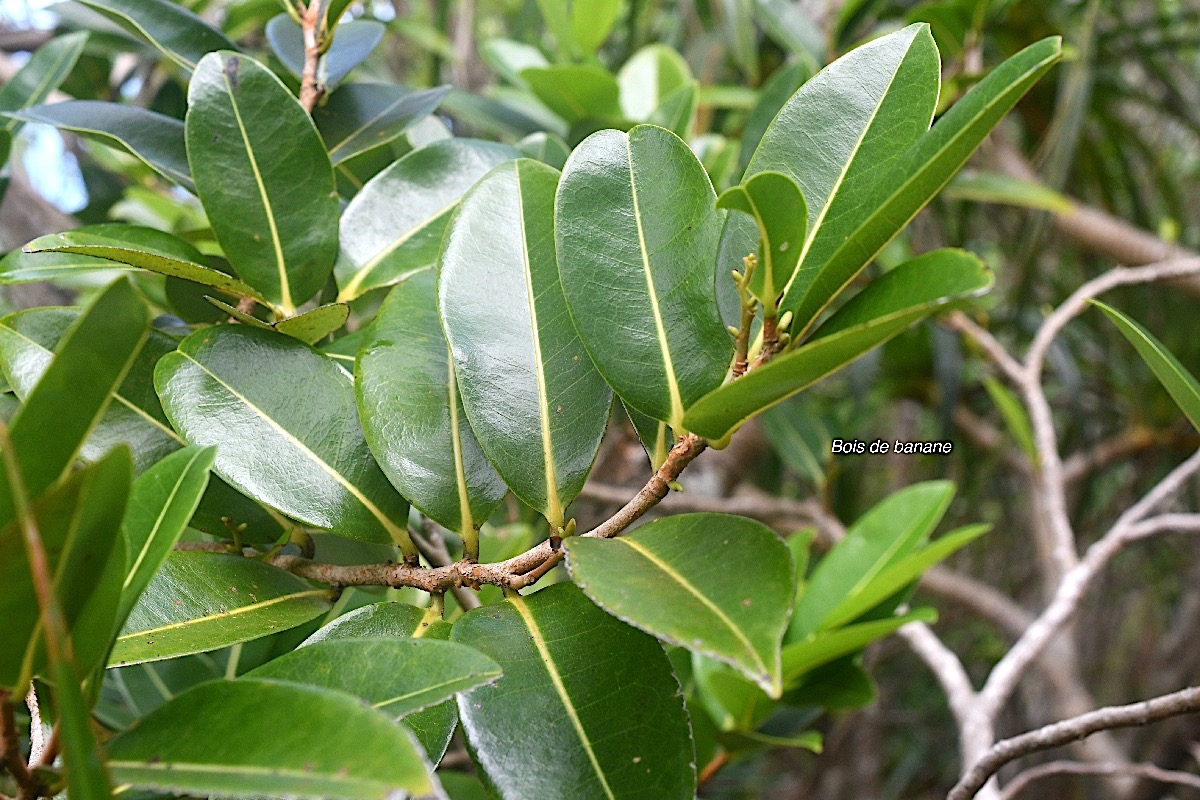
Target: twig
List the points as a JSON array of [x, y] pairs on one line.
[[10, 751], [433, 547], [1144, 771], [1186, 701], [37, 737], [310, 89]]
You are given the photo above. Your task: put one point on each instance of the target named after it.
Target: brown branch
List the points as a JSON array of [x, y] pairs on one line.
[[311, 90], [1147, 772], [1178, 703], [11, 758]]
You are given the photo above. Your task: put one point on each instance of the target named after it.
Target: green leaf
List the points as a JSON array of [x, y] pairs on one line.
[[393, 226], [134, 417], [591, 21], [177, 32], [891, 304], [655, 436], [145, 248], [774, 92], [774, 202], [546, 148], [253, 392], [21, 267], [79, 522], [198, 602], [997, 188], [155, 139], [595, 700], [508, 58], [240, 739], [41, 75], [314, 325], [805, 655], [396, 676], [575, 92], [74, 391], [1174, 377], [83, 760], [435, 725], [353, 41], [264, 177], [800, 439], [713, 583], [733, 703], [676, 111], [891, 530], [650, 76], [412, 414], [536, 404], [860, 113], [161, 502], [638, 209], [359, 117], [1015, 417], [900, 574]]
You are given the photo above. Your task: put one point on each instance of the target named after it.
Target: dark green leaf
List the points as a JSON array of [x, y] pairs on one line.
[[396, 676], [713, 583], [224, 386], [412, 415], [921, 287], [1180, 383], [638, 209], [264, 177], [21, 267], [74, 391], [774, 202], [198, 602], [353, 41], [362, 116], [79, 522], [87, 775], [575, 91], [732, 701], [595, 700], [394, 226], [145, 248], [536, 404], [313, 326], [162, 501], [178, 33], [241, 739], [891, 530], [154, 138], [34, 82]]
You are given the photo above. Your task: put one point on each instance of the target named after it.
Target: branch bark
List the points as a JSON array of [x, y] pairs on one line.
[[1147, 772], [311, 90]]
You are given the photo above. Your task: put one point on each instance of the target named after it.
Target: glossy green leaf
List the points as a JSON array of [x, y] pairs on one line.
[[222, 387], [676, 111], [21, 267], [154, 138], [93, 632], [83, 760], [995, 187], [774, 202], [891, 530], [241, 739], [145, 248], [713, 583], [199, 601], [359, 117], [412, 414], [74, 391], [733, 702], [909, 293], [1174, 377], [649, 77], [161, 502], [575, 91], [177, 32], [900, 574], [393, 226], [804, 655], [435, 725], [654, 434], [1016, 419], [860, 113], [396, 676], [264, 177], [595, 700], [637, 236], [775, 91], [546, 148], [134, 417], [591, 21], [353, 41], [79, 522], [313, 326], [535, 402], [43, 73]]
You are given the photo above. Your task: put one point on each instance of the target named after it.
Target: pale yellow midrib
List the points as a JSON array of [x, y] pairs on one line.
[[554, 509], [398, 535], [158, 524], [223, 615], [676, 420], [466, 519], [709, 604], [349, 293], [363, 127], [539, 642], [285, 287]]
